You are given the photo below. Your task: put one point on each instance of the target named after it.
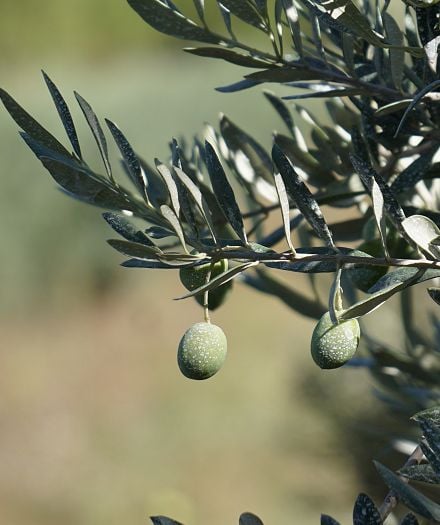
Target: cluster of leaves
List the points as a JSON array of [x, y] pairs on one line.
[[378, 158]]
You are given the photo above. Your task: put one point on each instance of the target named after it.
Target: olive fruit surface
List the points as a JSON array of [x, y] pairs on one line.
[[202, 351], [334, 344], [193, 278]]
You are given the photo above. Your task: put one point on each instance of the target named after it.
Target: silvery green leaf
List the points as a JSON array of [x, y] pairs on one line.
[[153, 264], [285, 208], [412, 498], [302, 196], [125, 228], [131, 160], [430, 414], [220, 280], [281, 108], [200, 8], [96, 129], [397, 54], [412, 174], [30, 125], [393, 107], [228, 55], [328, 93], [432, 456], [171, 185], [291, 73], [365, 512], [198, 198], [245, 10], [293, 22], [422, 231], [156, 187], [423, 472], [64, 113], [246, 83], [172, 218], [247, 518], [224, 193], [403, 274], [166, 20]]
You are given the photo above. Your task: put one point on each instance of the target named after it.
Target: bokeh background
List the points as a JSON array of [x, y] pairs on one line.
[[97, 426]]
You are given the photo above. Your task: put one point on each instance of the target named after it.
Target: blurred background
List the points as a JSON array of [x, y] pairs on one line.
[[97, 424]]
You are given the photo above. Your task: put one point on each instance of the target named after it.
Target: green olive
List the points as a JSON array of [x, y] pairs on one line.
[[364, 277], [202, 351], [334, 344], [195, 277]]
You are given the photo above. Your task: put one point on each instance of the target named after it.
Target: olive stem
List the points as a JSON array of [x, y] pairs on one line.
[[206, 294]]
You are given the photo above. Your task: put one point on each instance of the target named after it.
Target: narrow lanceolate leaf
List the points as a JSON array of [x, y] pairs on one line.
[[285, 208], [228, 55], [131, 160], [409, 519], [397, 54], [293, 21], [171, 185], [247, 518], [81, 184], [153, 264], [302, 196], [172, 218], [30, 125], [367, 175], [64, 113], [198, 198], [423, 231], [135, 249], [97, 132], [412, 498], [126, 229], [161, 17], [402, 275], [200, 8], [365, 511], [413, 173], [163, 520], [245, 10], [224, 193], [220, 280], [281, 108], [378, 298], [432, 456]]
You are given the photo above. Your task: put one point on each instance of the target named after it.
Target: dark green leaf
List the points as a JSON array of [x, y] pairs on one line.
[[172, 218], [431, 415], [133, 164], [227, 54], [413, 499], [413, 173], [165, 20], [125, 228], [434, 293], [281, 108], [244, 10], [290, 73], [423, 472], [365, 511], [30, 125], [64, 113], [293, 21], [247, 518], [397, 53], [328, 520], [302, 196], [96, 129], [135, 249], [171, 185], [153, 265], [223, 192], [238, 86], [431, 455]]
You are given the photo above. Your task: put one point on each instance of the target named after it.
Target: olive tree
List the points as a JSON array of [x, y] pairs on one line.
[[204, 211]]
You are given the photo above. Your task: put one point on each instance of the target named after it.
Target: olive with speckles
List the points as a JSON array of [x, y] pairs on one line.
[[202, 351], [334, 344]]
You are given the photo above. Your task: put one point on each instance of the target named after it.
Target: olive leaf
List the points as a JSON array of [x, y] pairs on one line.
[[172, 218], [365, 511], [396, 53], [294, 25], [412, 498], [247, 518], [434, 293], [159, 15], [126, 229], [171, 185], [302, 196], [423, 472], [228, 55], [413, 173], [64, 113], [423, 231], [224, 193], [409, 519], [245, 10], [135, 249], [281, 108], [163, 520], [328, 520], [285, 208]]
